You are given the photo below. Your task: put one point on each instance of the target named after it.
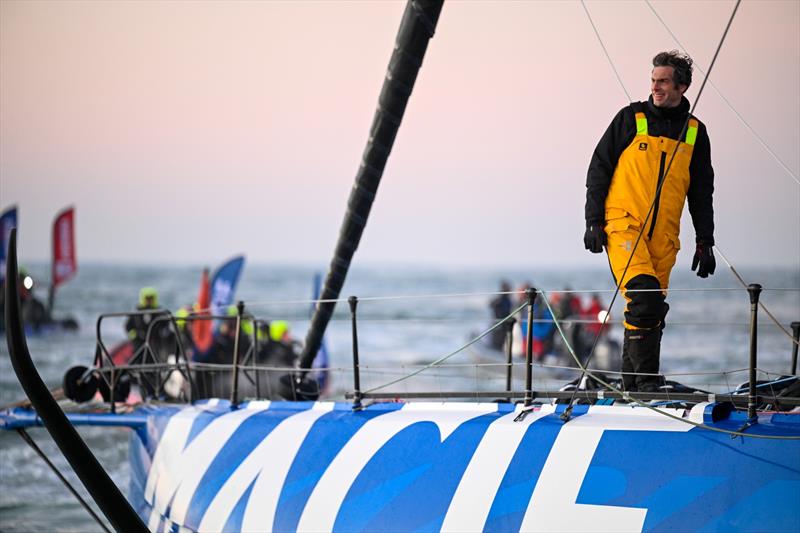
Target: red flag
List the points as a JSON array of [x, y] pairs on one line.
[[65, 263], [202, 329]]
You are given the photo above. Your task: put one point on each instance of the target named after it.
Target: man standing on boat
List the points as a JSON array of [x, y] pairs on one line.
[[638, 181]]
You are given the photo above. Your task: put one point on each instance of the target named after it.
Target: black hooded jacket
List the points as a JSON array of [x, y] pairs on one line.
[[661, 122]]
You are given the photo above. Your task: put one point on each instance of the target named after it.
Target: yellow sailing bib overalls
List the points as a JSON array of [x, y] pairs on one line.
[[641, 167]]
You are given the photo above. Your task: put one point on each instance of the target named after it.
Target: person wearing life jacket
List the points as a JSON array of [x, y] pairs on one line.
[[162, 338], [651, 144], [279, 348], [185, 329], [222, 348]]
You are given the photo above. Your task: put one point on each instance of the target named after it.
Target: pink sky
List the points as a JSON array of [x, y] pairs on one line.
[[189, 131]]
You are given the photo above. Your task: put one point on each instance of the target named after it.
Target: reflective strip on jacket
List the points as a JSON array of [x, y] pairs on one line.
[[645, 163]]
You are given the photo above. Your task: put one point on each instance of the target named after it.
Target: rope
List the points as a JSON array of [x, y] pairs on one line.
[[608, 57], [658, 189], [760, 303], [730, 106]]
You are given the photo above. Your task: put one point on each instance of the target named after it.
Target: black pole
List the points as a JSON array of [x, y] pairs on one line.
[[754, 289], [235, 386], [509, 347], [416, 29], [353, 301], [796, 336], [256, 351], [531, 293], [96, 480]]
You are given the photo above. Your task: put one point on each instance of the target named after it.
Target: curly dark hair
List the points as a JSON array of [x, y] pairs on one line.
[[680, 63]]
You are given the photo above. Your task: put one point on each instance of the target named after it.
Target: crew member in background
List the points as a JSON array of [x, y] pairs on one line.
[[544, 328], [648, 144], [222, 349], [570, 308], [592, 313], [280, 349], [34, 312], [522, 297], [162, 338], [501, 308], [183, 320]]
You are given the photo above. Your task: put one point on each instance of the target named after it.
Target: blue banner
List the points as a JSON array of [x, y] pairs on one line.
[[223, 284], [8, 220]]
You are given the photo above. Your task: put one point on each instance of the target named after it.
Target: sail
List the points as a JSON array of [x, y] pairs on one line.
[[65, 263], [223, 284], [8, 220]]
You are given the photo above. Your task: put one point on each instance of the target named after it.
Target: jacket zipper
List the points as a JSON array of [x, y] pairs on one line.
[[658, 194]]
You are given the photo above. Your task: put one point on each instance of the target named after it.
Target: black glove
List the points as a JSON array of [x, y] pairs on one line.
[[595, 238], [704, 257]]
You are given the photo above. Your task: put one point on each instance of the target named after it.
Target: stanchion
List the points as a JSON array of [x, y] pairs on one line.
[[796, 336], [754, 289], [353, 301], [235, 386], [509, 347], [531, 293]]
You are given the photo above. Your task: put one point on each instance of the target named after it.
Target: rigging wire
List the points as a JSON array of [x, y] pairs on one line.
[[761, 304], [760, 140], [263, 303], [454, 352], [29, 440], [608, 57], [585, 372], [730, 106], [660, 186], [626, 396]]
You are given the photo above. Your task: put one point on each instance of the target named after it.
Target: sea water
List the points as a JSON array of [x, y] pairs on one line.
[[407, 318]]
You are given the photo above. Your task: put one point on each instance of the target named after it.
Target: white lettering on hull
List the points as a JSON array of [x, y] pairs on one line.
[[325, 501], [552, 506], [186, 467], [475, 493], [269, 462]]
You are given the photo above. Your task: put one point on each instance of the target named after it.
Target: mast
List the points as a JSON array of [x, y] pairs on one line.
[[416, 29]]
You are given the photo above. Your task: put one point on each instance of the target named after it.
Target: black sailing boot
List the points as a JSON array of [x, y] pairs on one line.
[[644, 352], [628, 380]]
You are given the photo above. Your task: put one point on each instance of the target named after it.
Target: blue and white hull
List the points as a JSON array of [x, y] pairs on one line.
[[287, 466]]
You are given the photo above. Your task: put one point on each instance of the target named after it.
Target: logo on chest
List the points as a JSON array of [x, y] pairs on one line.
[[643, 146]]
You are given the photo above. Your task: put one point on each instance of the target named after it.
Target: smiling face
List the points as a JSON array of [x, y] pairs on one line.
[[665, 92]]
